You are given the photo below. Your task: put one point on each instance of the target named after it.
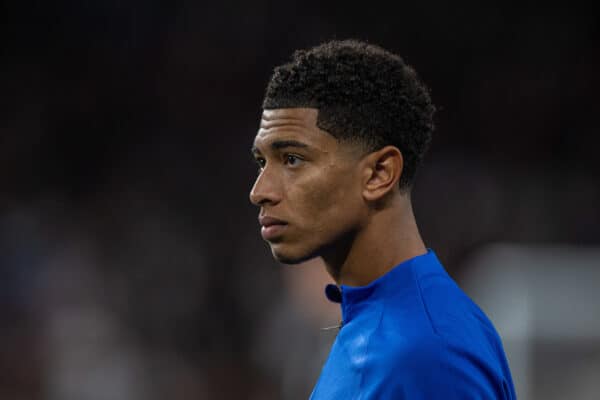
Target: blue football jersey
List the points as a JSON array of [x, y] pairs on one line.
[[413, 334]]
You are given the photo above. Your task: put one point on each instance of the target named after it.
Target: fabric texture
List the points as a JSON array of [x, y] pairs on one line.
[[413, 334]]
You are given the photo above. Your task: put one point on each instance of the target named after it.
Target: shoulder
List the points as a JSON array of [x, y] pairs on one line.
[[428, 367], [457, 320], [443, 347]]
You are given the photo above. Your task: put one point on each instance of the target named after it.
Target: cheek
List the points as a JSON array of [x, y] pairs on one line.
[[327, 201]]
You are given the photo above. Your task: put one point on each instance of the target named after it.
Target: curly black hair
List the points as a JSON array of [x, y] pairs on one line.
[[364, 94]]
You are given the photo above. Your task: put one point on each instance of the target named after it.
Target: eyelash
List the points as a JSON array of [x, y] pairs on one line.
[[286, 161]]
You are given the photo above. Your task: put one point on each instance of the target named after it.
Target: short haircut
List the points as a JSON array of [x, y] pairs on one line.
[[364, 94]]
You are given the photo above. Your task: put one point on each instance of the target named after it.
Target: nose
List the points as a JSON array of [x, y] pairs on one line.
[[265, 190]]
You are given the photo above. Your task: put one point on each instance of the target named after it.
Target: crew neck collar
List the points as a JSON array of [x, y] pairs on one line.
[[351, 298]]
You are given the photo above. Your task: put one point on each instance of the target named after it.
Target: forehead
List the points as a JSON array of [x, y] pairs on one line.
[[292, 123]]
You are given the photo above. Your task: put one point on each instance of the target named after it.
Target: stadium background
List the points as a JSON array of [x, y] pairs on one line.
[[131, 262]]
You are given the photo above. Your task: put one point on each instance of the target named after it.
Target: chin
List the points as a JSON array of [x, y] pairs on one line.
[[290, 257]]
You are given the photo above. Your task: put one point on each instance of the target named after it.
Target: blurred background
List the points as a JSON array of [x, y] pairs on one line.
[[131, 263]]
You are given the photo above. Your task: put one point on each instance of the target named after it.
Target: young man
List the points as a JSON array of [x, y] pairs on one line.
[[344, 127]]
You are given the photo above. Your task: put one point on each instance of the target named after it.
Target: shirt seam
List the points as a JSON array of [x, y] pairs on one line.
[[423, 303], [362, 368], [443, 342]]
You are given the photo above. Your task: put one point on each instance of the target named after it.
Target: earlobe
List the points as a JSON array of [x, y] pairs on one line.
[[383, 172]]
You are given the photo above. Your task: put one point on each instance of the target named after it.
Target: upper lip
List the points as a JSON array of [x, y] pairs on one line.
[[268, 221]]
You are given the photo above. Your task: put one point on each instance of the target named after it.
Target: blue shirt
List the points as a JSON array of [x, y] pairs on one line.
[[413, 334]]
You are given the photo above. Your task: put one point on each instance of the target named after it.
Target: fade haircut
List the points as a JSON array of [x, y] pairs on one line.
[[364, 95]]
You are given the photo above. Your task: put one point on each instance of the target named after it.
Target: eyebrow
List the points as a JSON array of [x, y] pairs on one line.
[[282, 144]]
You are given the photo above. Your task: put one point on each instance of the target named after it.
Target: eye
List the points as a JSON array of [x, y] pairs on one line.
[[292, 160], [261, 162]]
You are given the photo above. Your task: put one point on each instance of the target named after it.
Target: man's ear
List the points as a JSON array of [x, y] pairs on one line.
[[382, 172]]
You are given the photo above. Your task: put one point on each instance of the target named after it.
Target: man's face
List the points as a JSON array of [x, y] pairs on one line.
[[308, 188]]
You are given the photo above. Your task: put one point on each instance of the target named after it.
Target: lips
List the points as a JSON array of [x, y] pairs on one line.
[[271, 227]]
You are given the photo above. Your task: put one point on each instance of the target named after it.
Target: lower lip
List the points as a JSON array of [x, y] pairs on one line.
[[272, 231]]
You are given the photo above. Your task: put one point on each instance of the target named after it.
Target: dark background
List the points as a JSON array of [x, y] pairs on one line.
[[128, 247]]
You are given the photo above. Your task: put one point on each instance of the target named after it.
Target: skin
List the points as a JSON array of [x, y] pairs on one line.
[[337, 202]]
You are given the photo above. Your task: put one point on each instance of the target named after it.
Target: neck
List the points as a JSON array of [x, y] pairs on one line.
[[389, 237]]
